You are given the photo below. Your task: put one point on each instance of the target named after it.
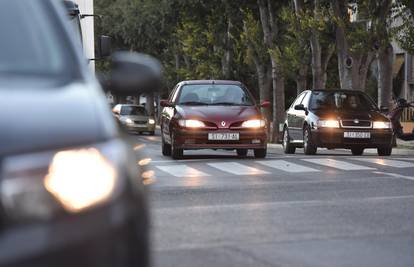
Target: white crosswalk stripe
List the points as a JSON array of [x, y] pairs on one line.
[[236, 168], [410, 159], [338, 164], [286, 166], [182, 171], [387, 162]]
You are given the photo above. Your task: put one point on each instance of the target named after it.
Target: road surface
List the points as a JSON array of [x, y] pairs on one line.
[[333, 209]]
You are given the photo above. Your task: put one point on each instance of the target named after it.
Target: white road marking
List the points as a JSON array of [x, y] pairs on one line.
[[278, 204], [396, 175], [410, 159], [286, 166], [338, 164], [236, 168], [387, 162], [182, 171]]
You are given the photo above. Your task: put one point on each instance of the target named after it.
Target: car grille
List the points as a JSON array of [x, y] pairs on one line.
[[364, 124], [140, 122]]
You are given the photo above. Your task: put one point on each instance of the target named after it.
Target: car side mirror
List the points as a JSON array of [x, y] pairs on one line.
[[384, 109], [104, 46], [166, 103], [132, 74], [300, 107], [265, 104]]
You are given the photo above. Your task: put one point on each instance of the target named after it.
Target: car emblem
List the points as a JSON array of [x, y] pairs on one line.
[[356, 121], [223, 123]]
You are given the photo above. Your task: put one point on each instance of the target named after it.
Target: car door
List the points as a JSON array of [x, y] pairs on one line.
[[295, 130], [301, 115], [166, 116]]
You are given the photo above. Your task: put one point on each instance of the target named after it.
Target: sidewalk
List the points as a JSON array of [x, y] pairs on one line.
[[403, 148]]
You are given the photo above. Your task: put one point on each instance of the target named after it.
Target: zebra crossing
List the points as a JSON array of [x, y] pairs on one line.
[[272, 166]]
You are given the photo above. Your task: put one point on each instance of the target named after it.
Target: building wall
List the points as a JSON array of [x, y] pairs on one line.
[[86, 7]]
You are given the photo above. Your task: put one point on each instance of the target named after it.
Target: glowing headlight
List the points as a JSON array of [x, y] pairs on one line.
[[253, 124], [381, 125], [80, 179], [191, 123], [328, 123], [129, 121], [151, 121], [39, 185]]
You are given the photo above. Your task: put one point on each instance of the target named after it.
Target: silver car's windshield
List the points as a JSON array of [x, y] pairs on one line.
[[340, 101], [133, 110]]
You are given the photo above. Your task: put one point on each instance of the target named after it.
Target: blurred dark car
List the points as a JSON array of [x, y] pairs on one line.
[[336, 119], [71, 193], [208, 114]]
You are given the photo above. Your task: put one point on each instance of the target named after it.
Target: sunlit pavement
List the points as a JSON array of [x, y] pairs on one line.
[[333, 209]]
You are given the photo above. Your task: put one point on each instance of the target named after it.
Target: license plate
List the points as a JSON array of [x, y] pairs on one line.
[[223, 136], [359, 135]]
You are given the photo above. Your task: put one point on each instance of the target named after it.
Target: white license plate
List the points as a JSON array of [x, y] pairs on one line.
[[223, 136], [359, 135]]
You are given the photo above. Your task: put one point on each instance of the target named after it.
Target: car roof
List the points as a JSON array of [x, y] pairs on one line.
[[211, 82], [337, 90]]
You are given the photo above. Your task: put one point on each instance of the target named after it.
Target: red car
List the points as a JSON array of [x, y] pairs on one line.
[[208, 114]]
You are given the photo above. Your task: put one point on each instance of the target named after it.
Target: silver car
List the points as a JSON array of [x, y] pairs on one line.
[[134, 118]]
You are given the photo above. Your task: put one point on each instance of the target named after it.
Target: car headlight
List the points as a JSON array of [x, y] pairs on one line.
[[253, 124], [191, 123], [129, 121], [151, 121], [37, 186], [381, 125], [328, 123]]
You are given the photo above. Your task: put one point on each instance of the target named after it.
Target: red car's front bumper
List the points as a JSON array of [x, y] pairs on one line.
[[198, 139]]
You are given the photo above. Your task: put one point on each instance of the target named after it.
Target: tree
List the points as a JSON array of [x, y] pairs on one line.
[[316, 26]]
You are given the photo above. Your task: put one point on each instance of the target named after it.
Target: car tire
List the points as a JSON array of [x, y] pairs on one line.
[[288, 148], [384, 151], [176, 153], [309, 148], [242, 152], [166, 148], [357, 151], [260, 153]]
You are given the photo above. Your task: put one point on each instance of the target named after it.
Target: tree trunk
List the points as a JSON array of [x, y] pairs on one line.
[[385, 62], [301, 79], [227, 56], [269, 33], [278, 103], [150, 104]]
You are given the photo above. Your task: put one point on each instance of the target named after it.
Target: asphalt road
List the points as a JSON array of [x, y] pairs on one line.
[[332, 209]]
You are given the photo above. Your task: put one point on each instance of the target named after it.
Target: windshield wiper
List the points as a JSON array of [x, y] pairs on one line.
[[194, 103]]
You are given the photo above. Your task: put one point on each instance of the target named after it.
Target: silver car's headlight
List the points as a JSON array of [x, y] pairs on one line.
[[36, 186], [381, 125]]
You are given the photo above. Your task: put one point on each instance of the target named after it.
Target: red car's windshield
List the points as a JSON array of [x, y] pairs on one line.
[[214, 94]]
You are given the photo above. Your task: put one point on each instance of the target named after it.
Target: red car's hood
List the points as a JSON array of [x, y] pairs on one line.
[[219, 114]]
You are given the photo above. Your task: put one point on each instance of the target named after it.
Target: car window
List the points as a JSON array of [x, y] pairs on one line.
[[31, 43], [213, 94], [298, 100], [341, 101], [133, 110], [305, 100]]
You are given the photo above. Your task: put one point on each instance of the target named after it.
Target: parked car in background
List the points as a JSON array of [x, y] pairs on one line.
[[336, 119], [134, 118], [210, 114], [70, 188]]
